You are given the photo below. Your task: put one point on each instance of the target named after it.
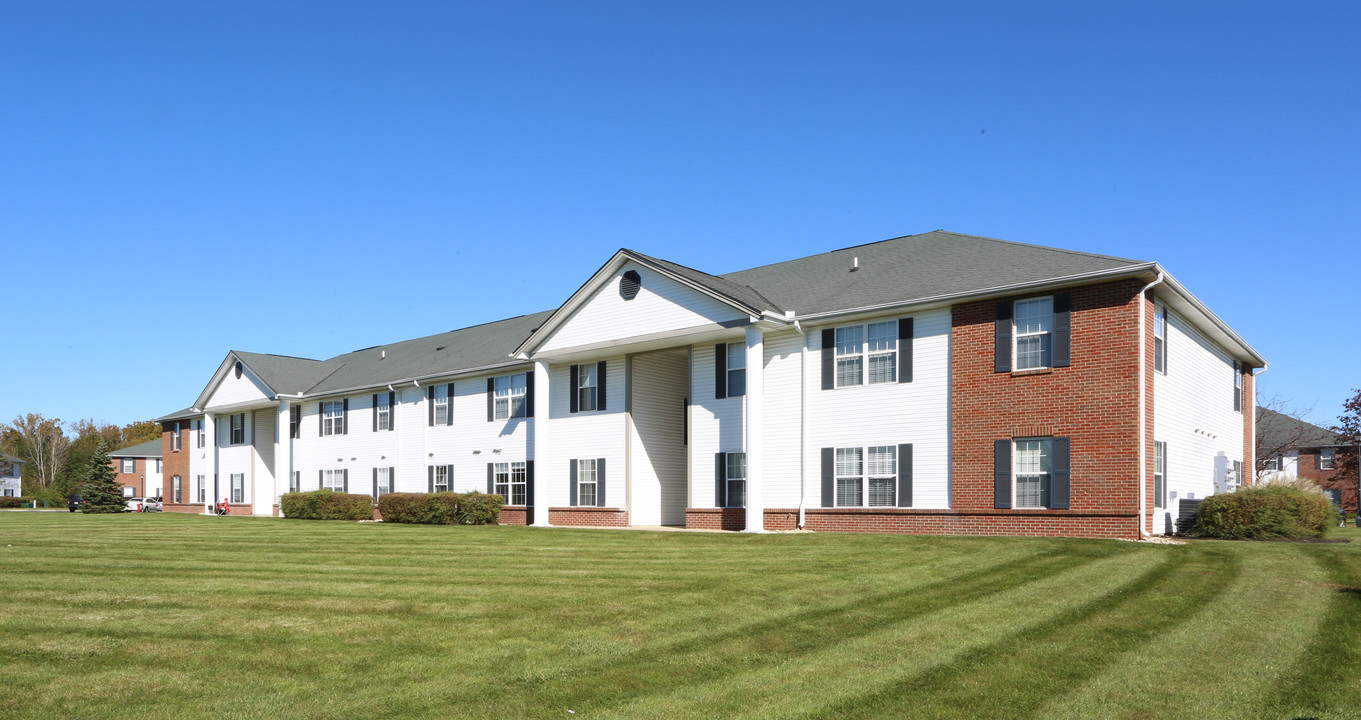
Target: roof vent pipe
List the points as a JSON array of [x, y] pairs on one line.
[[384, 355], [855, 264]]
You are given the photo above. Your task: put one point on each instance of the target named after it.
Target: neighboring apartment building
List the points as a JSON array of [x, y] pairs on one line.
[[139, 469], [11, 476], [1297, 449], [936, 383]]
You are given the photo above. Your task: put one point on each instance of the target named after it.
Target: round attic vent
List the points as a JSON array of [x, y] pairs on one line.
[[238, 369], [629, 284]]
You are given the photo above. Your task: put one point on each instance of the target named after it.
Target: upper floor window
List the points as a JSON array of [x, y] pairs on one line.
[[295, 422], [175, 437], [510, 396], [129, 466], [867, 476], [586, 387], [198, 424], [510, 482], [1327, 457], [586, 384], [1160, 339], [238, 429], [866, 350], [440, 393], [158, 464], [332, 417], [1034, 333], [737, 369], [1238, 387], [382, 412], [1272, 463]]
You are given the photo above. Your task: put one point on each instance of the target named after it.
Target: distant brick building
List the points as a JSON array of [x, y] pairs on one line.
[[139, 469], [1293, 448]]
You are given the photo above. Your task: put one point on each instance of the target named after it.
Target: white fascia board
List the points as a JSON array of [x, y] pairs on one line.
[[221, 374], [1203, 318], [421, 380]]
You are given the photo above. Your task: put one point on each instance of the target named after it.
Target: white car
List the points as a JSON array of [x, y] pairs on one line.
[[143, 505]]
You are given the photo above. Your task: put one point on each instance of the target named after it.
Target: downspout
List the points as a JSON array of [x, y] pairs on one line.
[[1143, 409], [803, 422]]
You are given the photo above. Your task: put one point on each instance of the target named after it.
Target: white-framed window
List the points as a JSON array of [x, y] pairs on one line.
[[1160, 339], [510, 482], [1237, 387], [295, 481], [127, 491], [586, 387], [129, 466], [200, 489], [238, 429], [1159, 474], [737, 370], [383, 410], [238, 487], [586, 482], [176, 490], [199, 432], [737, 480], [158, 465], [1033, 469], [1327, 458], [333, 480], [295, 422], [1034, 333], [443, 483], [1272, 463], [510, 396], [384, 481], [867, 476], [441, 405], [175, 437], [9, 492], [867, 354], [333, 417]]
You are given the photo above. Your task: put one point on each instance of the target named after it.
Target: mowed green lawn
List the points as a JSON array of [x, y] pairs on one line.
[[173, 616]]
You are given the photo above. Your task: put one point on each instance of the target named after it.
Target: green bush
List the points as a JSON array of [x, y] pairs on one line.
[[14, 502], [326, 505], [479, 509], [419, 508], [1265, 513]]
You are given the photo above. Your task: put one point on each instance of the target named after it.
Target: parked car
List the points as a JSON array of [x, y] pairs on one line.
[[152, 505], [134, 505], [74, 502]]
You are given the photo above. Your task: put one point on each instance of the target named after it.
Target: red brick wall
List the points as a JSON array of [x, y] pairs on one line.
[[588, 516], [177, 463], [1094, 402], [1054, 523], [514, 515], [719, 518], [133, 479], [1249, 432], [1308, 468]]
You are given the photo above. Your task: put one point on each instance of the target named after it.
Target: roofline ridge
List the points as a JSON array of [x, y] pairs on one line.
[[1043, 247]]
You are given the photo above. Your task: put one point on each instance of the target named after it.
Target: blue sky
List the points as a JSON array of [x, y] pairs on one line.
[[182, 179]]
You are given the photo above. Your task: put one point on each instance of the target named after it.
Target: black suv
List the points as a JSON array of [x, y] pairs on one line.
[[74, 502]]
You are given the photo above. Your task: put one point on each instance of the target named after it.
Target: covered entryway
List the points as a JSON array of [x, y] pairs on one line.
[[658, 386]]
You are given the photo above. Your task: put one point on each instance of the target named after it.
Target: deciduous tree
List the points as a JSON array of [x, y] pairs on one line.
[[1349, 427], [43, 444]]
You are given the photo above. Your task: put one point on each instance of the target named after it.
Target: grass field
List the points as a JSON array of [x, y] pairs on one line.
[[173, 616]]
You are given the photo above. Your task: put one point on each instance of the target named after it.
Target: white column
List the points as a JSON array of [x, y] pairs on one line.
[[755, 440], [283, 451], [210, 433], [541, 447]]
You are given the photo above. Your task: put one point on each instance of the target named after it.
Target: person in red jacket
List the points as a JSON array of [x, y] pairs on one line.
[[224, 507]]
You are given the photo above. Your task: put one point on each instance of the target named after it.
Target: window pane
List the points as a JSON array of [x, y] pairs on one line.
[[737, 493], [737, 356], [1034, 316], [881, 368], [848, 462], [1032, 351], [502, 386], [737, 382], [848, 371], [848, 491], [586, 398], [883, 336], [1034, 456], [737, 466], [586, 375], [882, 492], [1029, 491], [883, 460], [586, 494], [850, 340]]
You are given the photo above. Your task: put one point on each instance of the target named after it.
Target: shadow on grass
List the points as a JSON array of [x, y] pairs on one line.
[[1326, 681]]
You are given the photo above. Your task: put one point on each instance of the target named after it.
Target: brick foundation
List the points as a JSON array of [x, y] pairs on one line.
[[1037, 523], [588, 516], [717, 518], [515, 515]]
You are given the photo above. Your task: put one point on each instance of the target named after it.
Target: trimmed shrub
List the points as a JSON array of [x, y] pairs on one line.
[[479, 509], [419, 508], [1265, 513], [14, 502], [326, 505]]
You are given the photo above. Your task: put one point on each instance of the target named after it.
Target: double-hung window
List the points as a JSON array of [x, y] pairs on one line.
[[510, 396], [1159, 475], [382, 410], [332, 417], [175, 437], [586, 387], [1327, 457], [1160, 339], [1237, 387], [129, 466], [295, 481], [382, 482], [333, 480], [850, 348], [510, 482], [867, 477], [200, 433], [158, 464], [737, 480], [239, 488], [442, 481], [200, 489], [441, 395], [238, 429], [128, 491], [586, 482], [737, 369], [1272, 463], [1034, 333], [176, 490], [1034, 469], [295, 422], [867, 353]]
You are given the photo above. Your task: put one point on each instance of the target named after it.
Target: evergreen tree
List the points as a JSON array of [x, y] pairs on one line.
[[103, 493]]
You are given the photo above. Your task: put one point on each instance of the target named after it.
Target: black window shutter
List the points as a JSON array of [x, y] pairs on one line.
[[720, 372], [572, 396], [1165, 466], [491, 479], [491, 399], [321, 480], [828, 477], [600, 385], [430, 476], [345, 416], [345, 480], [529, 483], [430, 404], [1060, 482], [375, 481], [392, 418], [375, 421], [600, 482], [449, 415], [905, 475], [529, 393], [905, 351], [321, 419], [449, 476], [1063, 334], [1003, 337], [720, 479], [1001, 474], [572, 480], [392, 479], [828, 361]]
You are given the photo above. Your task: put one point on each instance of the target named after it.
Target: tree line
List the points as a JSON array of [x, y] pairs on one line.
[[57, 454]]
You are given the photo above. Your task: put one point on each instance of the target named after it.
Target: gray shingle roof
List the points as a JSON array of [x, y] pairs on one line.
[[1277, 430], [184, 414], [737, 292], [286, 374], [914, 267], [150, 448]]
